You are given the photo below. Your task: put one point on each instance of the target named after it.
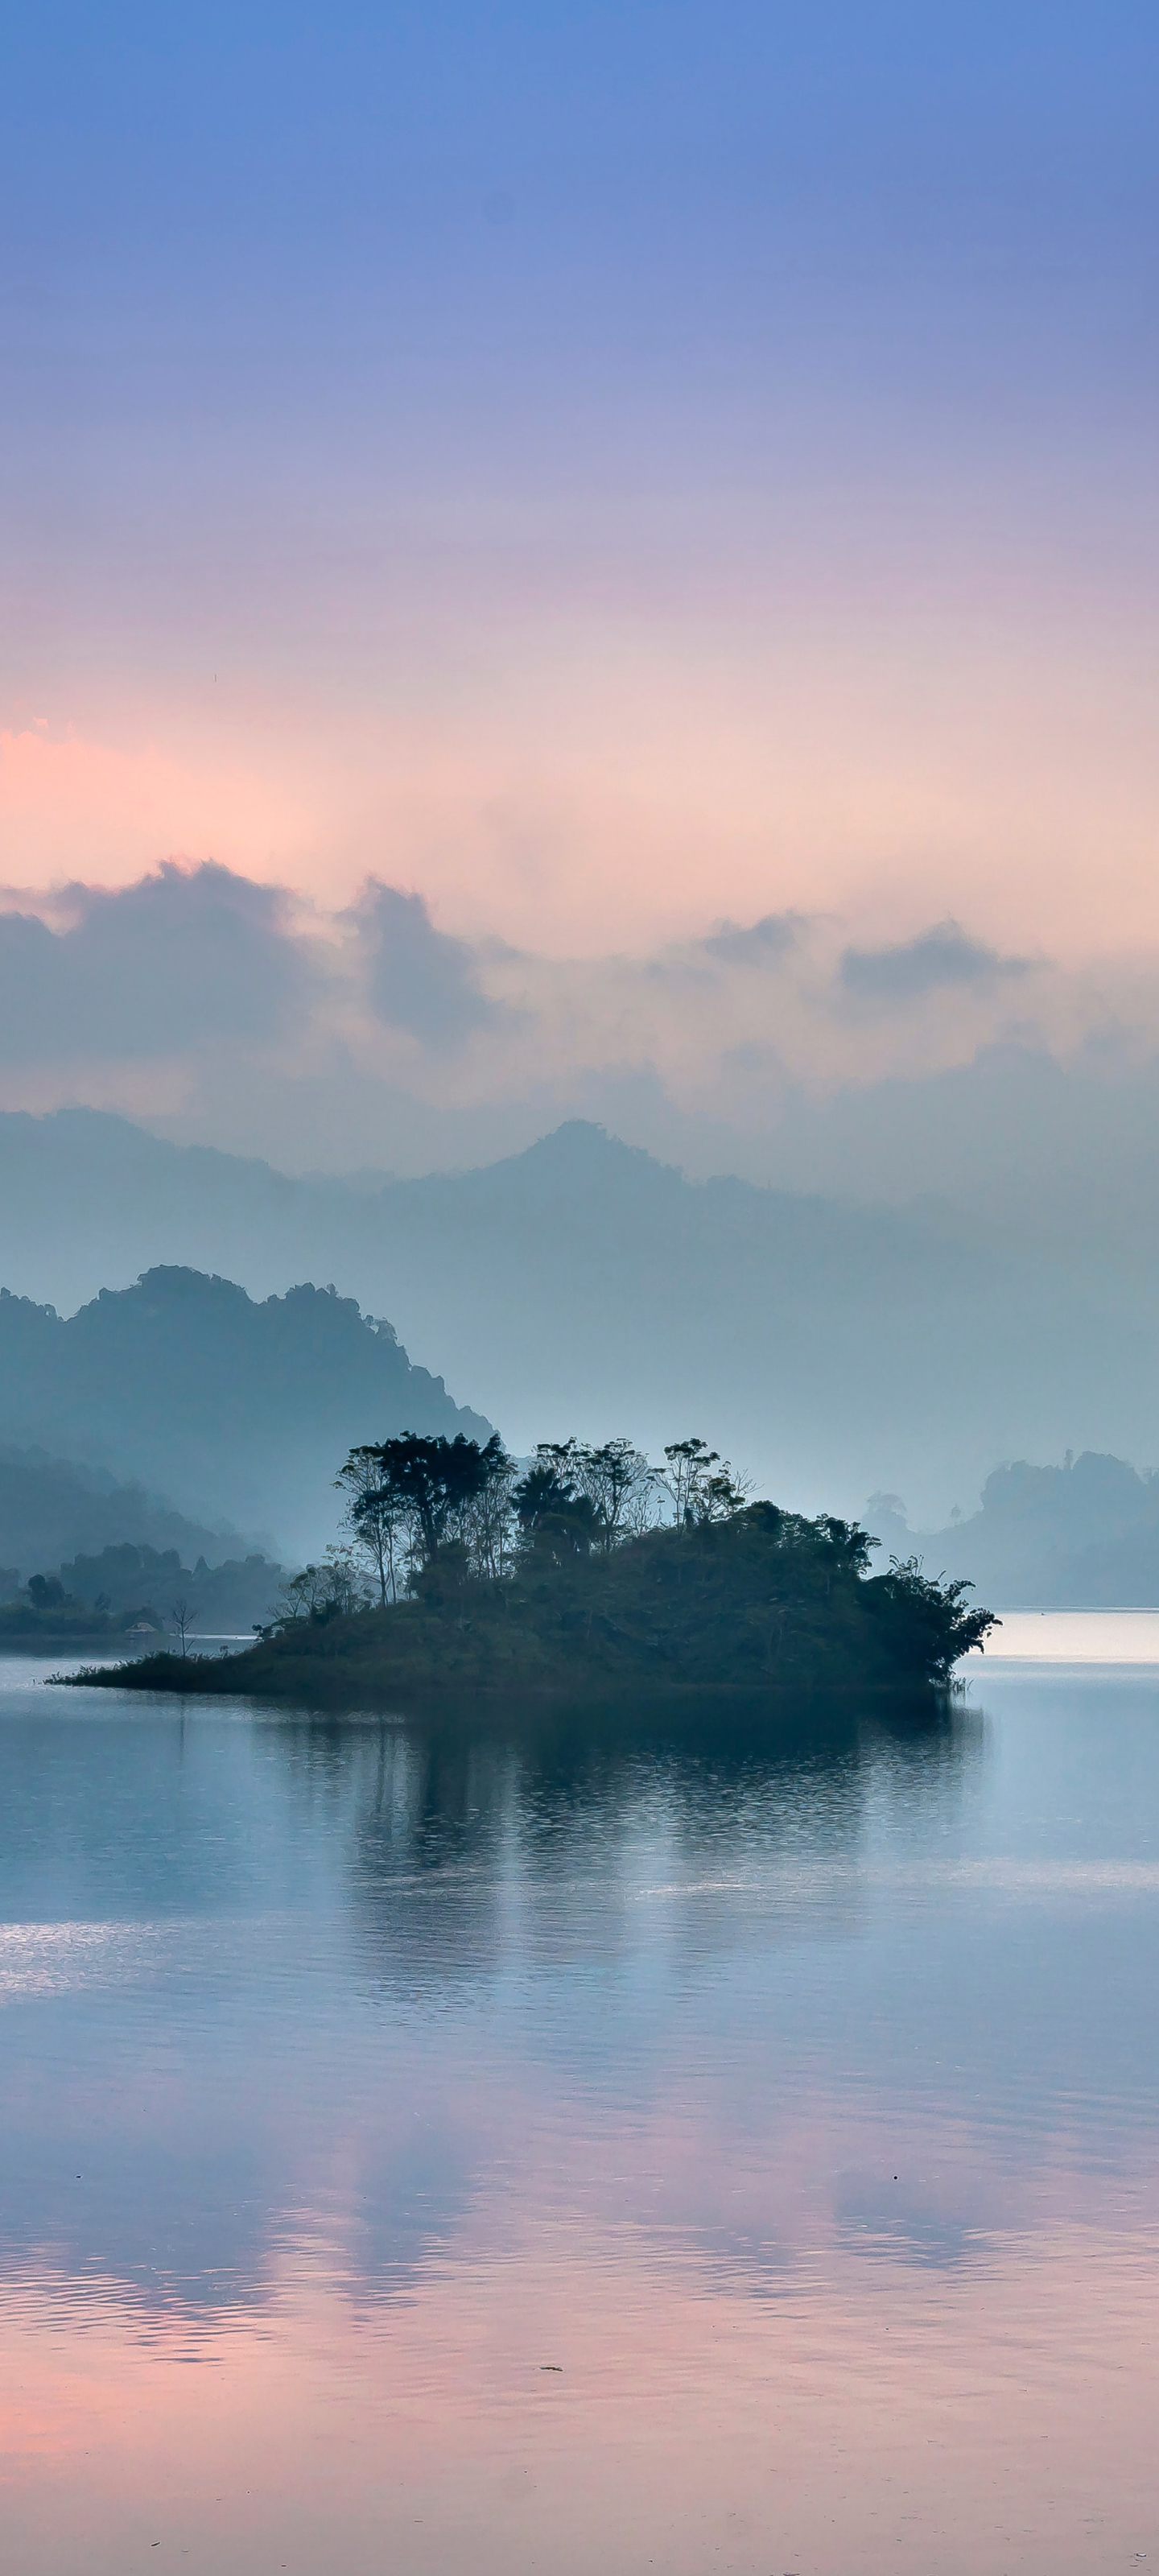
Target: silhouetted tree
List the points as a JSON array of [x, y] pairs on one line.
[[379, 1519], [300, 1594], [687, 1464], [46, 1591], [725, 1493], [620, 1486], [343, 1584], [555, 1519], [184, 1614], [700, 1484], [484, 1523], [436, 1481]]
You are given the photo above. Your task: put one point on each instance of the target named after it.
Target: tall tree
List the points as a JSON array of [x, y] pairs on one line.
[[688, 1464], [434, 1480], [619, 1484], [484, 1523], [700, 1484], [555, 1519], [184, 1615], [377, 1518]]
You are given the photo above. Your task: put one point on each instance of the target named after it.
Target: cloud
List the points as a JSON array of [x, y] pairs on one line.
[[183, 957], [761, 944], [938, 958], [198, 995], [421, 979]]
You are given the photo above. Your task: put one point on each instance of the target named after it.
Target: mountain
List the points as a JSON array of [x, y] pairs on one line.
[[245, 1409], [828, 1346], [1084, 1536], [89, 1201], [51, 1509]]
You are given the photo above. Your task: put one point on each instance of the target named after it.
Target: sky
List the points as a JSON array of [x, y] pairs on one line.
[[572, 559]]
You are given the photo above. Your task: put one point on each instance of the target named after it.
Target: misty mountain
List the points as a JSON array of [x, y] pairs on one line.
[[1081, 1536], [52, 1508], [244, 1409], [223, 1600], [829, 1347]]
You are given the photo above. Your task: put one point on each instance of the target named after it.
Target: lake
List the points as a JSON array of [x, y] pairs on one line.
[[421, 2154]]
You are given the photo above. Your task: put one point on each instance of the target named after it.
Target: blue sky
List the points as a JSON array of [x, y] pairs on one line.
[[507, 204]]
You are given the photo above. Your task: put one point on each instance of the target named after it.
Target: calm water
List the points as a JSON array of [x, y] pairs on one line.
[[418, 2159]]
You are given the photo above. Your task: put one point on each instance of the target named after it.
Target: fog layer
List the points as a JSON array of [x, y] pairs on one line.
[[832, 1349]]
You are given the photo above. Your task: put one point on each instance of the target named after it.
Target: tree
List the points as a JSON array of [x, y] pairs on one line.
[[555, 1519], [184, 1613], [585, 1497], [700, 1484], [412, 1498], [935, 1619], [725, 1494], [619, 1484], [331, 1590], [433, 1482], [484, 1523], [343, 1586], [300, 1595], [46, 1591], [688, 1464], [380, 1521]]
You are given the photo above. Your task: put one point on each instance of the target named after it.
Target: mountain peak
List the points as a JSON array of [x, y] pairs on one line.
[[580, 1155], [583, 1142]]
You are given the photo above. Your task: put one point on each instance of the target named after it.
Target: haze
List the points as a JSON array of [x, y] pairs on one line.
[[584, 568], [579, 1218]]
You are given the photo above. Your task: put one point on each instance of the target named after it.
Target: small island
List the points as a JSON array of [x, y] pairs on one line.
[[464, 1575]]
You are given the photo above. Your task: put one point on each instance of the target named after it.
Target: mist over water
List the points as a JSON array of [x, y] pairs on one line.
[[446, 2145]]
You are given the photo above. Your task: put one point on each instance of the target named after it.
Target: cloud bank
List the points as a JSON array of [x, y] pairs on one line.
[[419, 979], [223, 1011], [936, 961], [181, 961]]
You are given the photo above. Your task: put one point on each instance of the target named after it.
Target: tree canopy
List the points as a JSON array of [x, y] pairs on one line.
[[594, 1568], [764, 1602], [428, 1487]]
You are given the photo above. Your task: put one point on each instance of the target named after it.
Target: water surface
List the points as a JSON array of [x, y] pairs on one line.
[[423, 2151]]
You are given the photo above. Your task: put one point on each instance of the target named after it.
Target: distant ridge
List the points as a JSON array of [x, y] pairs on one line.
[[184, 1382], [53, 1508], [829, 1346], [1082, 1536]]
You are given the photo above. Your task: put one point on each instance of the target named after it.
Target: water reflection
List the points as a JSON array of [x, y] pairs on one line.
[[228, 1937], [414, 2045]]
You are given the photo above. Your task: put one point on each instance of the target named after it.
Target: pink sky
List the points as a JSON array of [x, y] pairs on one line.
[[605, 753], [642, 492]]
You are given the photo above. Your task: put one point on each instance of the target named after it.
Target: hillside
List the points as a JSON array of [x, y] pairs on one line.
[[1081, 1536], [244, 1408], [763, 1602], [52, 1509], [834, 1347]]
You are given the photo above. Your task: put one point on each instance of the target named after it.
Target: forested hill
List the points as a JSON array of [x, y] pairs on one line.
[[238, 1409]]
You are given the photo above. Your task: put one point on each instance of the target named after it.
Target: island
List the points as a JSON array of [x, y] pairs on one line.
[[553, 1584]]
